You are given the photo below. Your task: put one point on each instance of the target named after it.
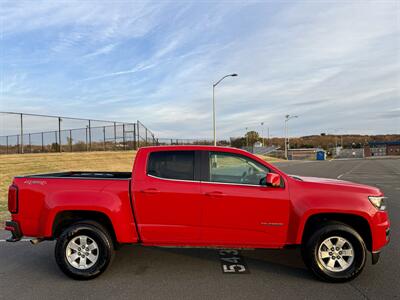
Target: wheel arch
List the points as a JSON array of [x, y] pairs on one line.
[[66, 218], [357, 222]]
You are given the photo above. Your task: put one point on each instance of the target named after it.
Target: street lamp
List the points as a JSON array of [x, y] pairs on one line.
[[262, 133], [287, 118], [214, 85]]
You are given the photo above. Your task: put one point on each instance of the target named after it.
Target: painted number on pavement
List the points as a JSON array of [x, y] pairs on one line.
[[232, 262]]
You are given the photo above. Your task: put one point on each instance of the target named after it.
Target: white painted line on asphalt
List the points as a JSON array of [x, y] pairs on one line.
[[351, 170]]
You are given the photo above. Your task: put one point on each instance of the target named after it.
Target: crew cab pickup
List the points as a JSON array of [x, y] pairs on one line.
[[199, 196]]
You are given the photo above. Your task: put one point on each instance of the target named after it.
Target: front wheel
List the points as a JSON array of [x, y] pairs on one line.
[[84, 250], [335, 253]]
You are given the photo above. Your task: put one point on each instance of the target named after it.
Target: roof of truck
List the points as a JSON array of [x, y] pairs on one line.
[[193, 147]]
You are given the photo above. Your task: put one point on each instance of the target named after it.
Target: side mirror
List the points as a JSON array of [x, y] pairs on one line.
[[273, 180]]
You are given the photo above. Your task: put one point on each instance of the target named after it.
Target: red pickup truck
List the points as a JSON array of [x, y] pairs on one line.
[[200, 196]]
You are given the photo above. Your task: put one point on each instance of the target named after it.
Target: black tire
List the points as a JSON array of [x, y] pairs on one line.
[[105, 253], [311, 246]]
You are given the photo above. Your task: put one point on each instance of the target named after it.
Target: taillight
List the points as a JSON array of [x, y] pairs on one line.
[[13, 199]]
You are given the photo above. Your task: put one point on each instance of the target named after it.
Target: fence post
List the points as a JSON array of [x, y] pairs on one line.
[[90, 137], [30, 145], [123, 136], [86, 138], [145, 135], [134, 137], [7, 144], [22, 133], [59, 134], [115, 135], [70, 140], [138, 134], [55, 135], [104, 138]]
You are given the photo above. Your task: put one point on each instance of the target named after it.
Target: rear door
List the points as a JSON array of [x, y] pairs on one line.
[[168, 204], [238, 209]]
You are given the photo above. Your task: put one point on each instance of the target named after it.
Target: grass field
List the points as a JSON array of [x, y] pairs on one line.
[[12, 165]]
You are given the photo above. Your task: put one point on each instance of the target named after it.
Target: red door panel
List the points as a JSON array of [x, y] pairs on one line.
[[244, 215], [169, 211]]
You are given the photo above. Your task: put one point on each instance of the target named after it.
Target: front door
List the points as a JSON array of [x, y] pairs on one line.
[[238, 210]]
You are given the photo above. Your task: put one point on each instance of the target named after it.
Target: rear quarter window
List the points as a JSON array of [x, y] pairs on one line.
[[171, 164]]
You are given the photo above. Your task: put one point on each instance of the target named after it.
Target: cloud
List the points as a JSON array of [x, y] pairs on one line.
[[140, 67], [103, 50], [103, 19], [334, 65]]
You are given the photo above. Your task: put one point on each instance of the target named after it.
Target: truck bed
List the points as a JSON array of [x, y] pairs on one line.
[[83, 175]]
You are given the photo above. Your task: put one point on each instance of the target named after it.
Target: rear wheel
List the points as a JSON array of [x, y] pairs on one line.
[[84, 250], [335, 252]]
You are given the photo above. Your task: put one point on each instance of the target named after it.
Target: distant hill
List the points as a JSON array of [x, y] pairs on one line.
[[324, 141]]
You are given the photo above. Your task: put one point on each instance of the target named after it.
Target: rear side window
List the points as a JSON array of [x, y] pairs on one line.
[[172, 164]]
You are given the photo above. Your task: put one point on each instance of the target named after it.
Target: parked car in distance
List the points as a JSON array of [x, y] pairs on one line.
[[199, 196]]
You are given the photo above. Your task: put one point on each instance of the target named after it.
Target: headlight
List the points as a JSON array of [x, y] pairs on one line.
[[378, 202]]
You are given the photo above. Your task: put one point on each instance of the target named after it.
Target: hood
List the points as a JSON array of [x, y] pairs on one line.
[[328, 181]]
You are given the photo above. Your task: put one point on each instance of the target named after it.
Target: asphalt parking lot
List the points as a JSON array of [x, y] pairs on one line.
[[28, 271]]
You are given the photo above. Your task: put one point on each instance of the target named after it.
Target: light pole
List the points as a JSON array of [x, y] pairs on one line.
[[262, 133], [287, 118], [214, 85], [336, 130]]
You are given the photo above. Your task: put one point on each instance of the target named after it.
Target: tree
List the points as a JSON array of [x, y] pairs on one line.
[[252, 137], [238, 142]]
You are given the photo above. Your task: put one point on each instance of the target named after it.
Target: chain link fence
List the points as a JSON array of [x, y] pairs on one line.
[[31, 133], [166, 141], [205, 142]]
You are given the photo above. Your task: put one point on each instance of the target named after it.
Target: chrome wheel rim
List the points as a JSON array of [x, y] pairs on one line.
[[336, 254], [82, 252]]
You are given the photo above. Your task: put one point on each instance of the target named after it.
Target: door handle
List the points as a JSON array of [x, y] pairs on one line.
[[150, 191], [215, 194]]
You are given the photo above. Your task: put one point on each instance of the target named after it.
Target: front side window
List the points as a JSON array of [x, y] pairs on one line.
[[172, 164], [233, 168]]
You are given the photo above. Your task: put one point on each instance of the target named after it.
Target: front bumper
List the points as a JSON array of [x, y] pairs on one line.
[[15, 230], [377, 254], [380, 229]]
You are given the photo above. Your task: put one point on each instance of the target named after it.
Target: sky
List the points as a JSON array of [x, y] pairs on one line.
[[334, 64]]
